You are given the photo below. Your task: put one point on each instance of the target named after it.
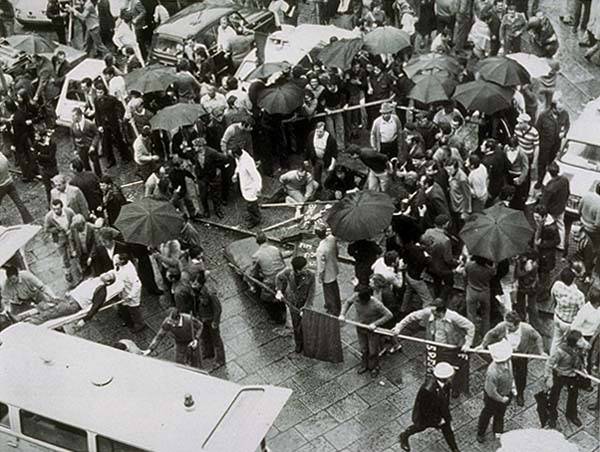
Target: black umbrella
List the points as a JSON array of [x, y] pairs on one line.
[[150, 79], [282, 99], [503, 71], [340, 53], [483, 96], [431, 63], [430, 88]]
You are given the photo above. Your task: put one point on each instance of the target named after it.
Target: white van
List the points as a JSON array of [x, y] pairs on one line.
[[61, 393]]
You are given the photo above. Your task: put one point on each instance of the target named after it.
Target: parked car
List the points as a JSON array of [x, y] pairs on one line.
[[71, 95], [198, 24], [294, 45], [31, 12], [579, 160]]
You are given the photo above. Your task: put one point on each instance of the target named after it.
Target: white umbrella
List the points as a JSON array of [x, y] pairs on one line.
[[535, 440], [536, 66]]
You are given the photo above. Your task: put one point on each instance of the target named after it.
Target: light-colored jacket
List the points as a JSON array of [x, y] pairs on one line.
[[132, 286], [376, 132], [75, 200], [327, 260], [249, 177], [459, 330]]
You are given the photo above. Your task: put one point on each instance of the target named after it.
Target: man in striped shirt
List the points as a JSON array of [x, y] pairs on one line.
[[529, 142]]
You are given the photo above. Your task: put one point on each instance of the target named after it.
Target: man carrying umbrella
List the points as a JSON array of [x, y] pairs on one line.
[[432, 407]]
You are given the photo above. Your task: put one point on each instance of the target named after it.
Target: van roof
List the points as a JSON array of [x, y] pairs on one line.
[[583, 129], [89, 67], [192, 19], [131, 398]]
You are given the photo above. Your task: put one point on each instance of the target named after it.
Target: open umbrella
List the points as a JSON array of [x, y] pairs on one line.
[[430, 88], [483, 96], [178, 115], [497, 234], [281, 99], [150, 79], [30, 43], [536, 66], [386, 40], [432, 62], [361, 215], [340, 53], [266, 70], [14, 238], [149, 222], [503, 71]]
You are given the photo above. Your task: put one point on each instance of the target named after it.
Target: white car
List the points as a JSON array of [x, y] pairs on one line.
[[579, 160], [31, 12], [293, 45], [71, 95]]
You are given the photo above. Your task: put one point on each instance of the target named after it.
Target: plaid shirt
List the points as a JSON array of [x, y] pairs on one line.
[[569, 299]]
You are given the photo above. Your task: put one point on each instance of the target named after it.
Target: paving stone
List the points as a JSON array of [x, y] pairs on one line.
[[377, 415], [230, 371], [347, 407], [377, 390], [345, 434], [378, 440], [324, 396], [294, 412], [317, 445], [279, 371], [317, 425], [290, 440], [352, 381], [403, 400]]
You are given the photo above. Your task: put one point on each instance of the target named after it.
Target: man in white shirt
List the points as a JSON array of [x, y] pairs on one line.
[[478, 181], [385, 132], [142, 153], [129, 310], [587, 321], [116, 83], [212, 99]]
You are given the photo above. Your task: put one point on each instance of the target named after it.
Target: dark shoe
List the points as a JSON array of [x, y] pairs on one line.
[[139, 328], [298, 348], [361, 370], [404, 441], [585, 44], [375, 372], [480, 439], [588, 388], [575, 421], [552, 423], [111, 164], [588, 57], [455, 393], [520, 400], [566, 20]]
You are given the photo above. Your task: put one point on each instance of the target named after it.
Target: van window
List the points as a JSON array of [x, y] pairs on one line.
[[110, 445], [53, 432], [4, 421]]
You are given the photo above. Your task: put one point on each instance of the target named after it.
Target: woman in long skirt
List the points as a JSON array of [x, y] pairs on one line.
[[426, 23]]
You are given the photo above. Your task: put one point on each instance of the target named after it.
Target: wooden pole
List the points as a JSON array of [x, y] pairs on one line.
[[283, 223], [296, 204]]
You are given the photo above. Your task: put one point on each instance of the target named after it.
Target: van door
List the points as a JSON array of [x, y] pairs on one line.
[[208, 37]]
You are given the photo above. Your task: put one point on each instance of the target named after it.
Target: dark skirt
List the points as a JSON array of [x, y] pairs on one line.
[[427, 22]]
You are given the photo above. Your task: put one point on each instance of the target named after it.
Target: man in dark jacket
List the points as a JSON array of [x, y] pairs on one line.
[[57, 15], [549, 130], [210, 166], [494, 159], [432, 407], [554, 197], [109, 114], [88, 183]]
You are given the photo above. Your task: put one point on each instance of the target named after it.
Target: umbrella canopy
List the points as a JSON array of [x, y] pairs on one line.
[[178, 115], [503, 71], [30, 43], [536, 66], [13, 238], [150, 79], [497, 234], [149, 222], [483, 96], [386, 40], [432, 62], [281, 99], [430, 88], [266, 70], [535, 440], [361, 215], [340, 53]]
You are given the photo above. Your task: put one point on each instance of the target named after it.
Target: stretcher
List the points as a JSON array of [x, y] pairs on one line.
[[82, 292]]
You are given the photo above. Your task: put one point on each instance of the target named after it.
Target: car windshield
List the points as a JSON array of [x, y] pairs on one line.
[[165, 44], [583, 155]]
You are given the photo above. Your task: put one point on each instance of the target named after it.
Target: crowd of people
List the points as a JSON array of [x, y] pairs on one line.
[[327, 149]]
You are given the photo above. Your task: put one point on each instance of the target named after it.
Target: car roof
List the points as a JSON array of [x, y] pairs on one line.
[[583, 128], [192, 19], [89, 67], [131, 398]]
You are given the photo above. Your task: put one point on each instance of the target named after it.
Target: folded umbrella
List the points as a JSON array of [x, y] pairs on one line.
[[430, 88], [176, 116], [361, 215], [503, 71], [483, 96], [497, 234], [150, 79], [386, 40], [149, 222], [281, 99], [431, 63], [340, 53]]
